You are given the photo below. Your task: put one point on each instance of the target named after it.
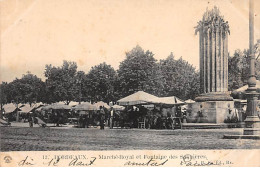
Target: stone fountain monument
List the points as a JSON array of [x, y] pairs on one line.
[[214, 104]]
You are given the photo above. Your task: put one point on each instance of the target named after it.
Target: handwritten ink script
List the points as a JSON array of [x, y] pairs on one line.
[[27, 161], [77, 162], [131, 160], [151, 162], [74, 160]]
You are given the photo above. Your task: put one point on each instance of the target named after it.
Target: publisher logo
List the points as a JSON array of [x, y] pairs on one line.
[[7, 159]]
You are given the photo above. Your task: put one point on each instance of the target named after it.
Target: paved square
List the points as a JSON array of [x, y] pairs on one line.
[[46, 139]]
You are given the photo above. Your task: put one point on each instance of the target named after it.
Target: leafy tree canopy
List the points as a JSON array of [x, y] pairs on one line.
[[100, 83], [238, 68], [28, 89], [180, 78], [138, 72], [61, 82]]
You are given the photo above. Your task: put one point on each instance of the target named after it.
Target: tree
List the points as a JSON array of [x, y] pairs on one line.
[[100, 83], [139, 71], [81, 81], [61, 82], [238, 66], [3, 93], [180, 78], [28, 89]]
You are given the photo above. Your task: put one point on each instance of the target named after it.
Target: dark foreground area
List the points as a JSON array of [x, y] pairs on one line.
[[47, 139]]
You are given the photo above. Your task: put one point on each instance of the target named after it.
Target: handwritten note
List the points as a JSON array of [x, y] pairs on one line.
[[227, 158]]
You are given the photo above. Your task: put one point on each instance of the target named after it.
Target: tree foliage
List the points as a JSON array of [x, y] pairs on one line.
[[100, 84], [28, 89], [139, 71], [238, 68], [180, 78], [61, 82], [3, 93]]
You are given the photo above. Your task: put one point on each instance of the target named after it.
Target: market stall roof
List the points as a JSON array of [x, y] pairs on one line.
[[139, 97], [101, 103], [20, 105], [72, 103], [85, 106], [36, 105], [189, 101], [9, 108], [240, 101], [57, 106], [172, 100], [119, 108], [39, 108], [26, 108], [244, 88]]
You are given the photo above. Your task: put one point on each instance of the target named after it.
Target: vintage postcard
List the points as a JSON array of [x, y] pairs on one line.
[[130, 83]]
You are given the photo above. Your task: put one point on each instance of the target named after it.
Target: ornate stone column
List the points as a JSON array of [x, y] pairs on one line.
[[213, 31]]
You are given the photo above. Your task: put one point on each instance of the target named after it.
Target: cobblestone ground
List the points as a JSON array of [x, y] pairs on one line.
[[45, 139]]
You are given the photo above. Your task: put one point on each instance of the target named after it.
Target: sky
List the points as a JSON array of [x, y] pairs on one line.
[[39, 32]]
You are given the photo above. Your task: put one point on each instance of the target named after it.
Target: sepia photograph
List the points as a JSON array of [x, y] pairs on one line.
[[144, 82]]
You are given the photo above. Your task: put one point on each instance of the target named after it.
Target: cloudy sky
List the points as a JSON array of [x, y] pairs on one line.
[[39, 32]]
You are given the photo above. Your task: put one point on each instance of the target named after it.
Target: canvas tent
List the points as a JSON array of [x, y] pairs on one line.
[[72, 103], [37, 105], [189, 101], [85, 106], [10, 108], [172, 100], [119, 108], [20, 105], [101, 103], [26, 108], [244, 88], [144, 98], [39, 108], [137, 98], [240, 92], [57, 106]]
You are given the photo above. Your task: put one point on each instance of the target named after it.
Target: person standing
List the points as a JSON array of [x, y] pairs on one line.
[[102, 118], [30, 120], [80, 121], [111, 117], [199, 115]]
